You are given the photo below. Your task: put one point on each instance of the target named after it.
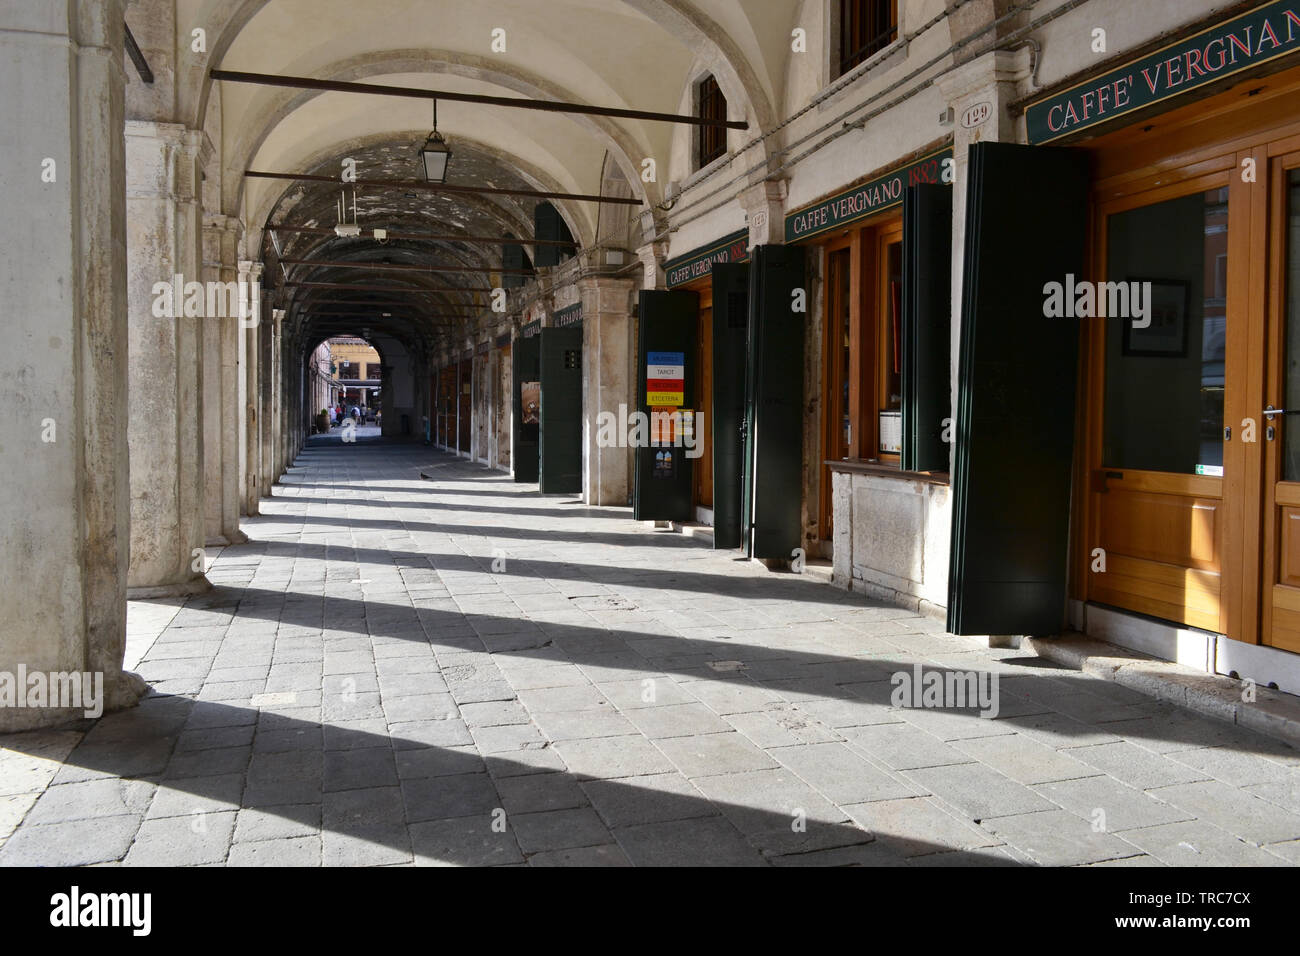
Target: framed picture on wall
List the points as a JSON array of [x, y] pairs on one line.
[[1166, 336]]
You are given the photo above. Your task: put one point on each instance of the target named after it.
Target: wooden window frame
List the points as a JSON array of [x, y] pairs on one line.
[[710, 103], [869, 303], [863, 31]]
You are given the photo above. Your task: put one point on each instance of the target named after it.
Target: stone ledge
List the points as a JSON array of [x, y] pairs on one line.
[[1272, 712]]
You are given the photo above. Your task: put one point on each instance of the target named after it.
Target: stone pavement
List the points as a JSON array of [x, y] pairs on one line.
[[455, 670]]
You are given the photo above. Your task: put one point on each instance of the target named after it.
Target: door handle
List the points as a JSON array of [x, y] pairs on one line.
[[1271, 411]]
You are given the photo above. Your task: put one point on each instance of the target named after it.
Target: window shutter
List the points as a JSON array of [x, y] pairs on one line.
[[548, 225], [667, 323], [1026, 225], [773, 500], [561, 414], [927, 311], [730, 325]]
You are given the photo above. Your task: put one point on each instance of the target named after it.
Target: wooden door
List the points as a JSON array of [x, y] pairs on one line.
[[1161, 450], [1279, 419]]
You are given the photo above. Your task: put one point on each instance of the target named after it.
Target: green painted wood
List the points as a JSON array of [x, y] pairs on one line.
[[667, 323], [730, 330], [927, 326], [560, 458], [774, 404], [526, 360], [1026, 225]]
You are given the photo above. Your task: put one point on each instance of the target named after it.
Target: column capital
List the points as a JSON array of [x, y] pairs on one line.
[[764, 205], [652, 256]]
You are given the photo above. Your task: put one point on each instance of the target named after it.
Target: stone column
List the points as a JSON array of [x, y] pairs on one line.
[[607, 349], [494, 406], [221, 385], [165, 426], [250, 489], [652, 256], [66, 507], [271, 452], [992, 78], [266, 404]]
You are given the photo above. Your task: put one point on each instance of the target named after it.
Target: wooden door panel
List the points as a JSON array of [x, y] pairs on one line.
[[1167, 591], [1182, 531], [1285, 631]]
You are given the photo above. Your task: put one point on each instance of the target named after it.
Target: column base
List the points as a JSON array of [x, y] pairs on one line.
[[196, 585], [121, 690], [227, 539]]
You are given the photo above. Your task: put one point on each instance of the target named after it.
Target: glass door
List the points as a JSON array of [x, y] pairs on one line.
[[1279, 419], [1161, 319]]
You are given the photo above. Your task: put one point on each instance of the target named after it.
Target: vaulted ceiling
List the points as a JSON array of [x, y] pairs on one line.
[[628, 54]]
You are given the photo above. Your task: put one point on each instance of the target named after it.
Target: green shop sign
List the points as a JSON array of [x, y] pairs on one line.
[[699, 263], [866, 200], [1265, 33], [571, 315]]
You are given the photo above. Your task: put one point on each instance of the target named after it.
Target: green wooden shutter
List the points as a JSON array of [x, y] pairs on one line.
[[667, 326], [1026, 225], [549, 224], [927, 325], [561, 432], [513, 257], [526, 357], [730, 325], [774, 404]]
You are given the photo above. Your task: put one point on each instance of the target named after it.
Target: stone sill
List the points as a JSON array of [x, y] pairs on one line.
[[861, 466]]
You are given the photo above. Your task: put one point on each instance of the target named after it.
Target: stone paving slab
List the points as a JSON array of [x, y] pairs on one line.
[[364, 687]]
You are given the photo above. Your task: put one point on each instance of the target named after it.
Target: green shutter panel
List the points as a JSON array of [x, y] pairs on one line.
[[526, 357], [512, 258], [774, 404], [561, 432], [927, 327], [548, 224], [730, 326], [667, 327], [1026, 225]]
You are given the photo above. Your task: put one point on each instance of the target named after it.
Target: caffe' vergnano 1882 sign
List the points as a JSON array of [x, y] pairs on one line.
[[1263, 34]]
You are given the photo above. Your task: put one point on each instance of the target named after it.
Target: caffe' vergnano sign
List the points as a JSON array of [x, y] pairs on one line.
[[1263, 34]]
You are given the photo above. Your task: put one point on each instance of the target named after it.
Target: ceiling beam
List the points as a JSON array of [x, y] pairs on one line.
[[443, 187], [513, 102], [336, 306], [433, 237], [427, 290], [401, 267]]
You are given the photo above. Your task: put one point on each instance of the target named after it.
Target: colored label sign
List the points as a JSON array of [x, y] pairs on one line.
[[665, 378], [699, 263], [1266, 33], [866, 200]]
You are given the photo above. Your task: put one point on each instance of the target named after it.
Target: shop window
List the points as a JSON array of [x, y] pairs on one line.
[[863, 352], [1165, 369], [865, 28], [712, 105]]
